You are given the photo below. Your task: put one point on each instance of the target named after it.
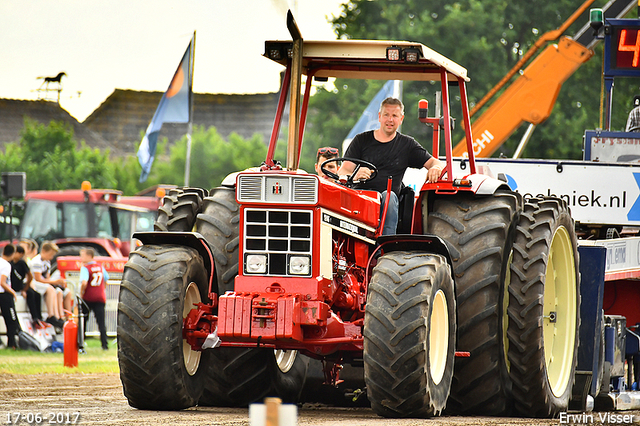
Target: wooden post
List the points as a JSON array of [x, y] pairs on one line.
[[273, 413], [273, 406]]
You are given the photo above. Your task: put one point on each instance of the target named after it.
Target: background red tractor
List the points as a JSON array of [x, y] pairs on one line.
[[283, 266], [102, 219]]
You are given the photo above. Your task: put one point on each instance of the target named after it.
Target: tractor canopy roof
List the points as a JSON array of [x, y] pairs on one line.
[[368, 59]]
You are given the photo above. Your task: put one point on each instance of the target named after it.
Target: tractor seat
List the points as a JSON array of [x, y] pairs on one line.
[[405, 210]]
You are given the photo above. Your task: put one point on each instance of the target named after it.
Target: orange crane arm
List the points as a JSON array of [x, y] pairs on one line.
[[530, 98]]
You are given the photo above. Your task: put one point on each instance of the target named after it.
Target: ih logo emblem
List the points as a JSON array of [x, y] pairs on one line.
[[277, 188]]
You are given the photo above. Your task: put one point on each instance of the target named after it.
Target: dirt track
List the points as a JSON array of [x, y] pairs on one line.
[[99, 400]]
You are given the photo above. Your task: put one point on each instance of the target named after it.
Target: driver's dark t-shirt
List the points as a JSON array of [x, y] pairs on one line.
[[391, 158]]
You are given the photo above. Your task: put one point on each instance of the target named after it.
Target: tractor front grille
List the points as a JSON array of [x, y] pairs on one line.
[[275, 188], [278, 235]]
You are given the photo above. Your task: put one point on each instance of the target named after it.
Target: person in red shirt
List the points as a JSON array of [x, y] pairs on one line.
[[93, 289]]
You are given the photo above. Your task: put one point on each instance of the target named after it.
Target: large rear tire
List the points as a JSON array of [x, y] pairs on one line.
[[289, 374], [237, 377], [544, 308], [158, 369], [179, 209], [409, 335], [479, 234], [219, 224]]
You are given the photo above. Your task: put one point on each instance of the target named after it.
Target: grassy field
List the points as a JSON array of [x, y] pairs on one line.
[[29, 362]]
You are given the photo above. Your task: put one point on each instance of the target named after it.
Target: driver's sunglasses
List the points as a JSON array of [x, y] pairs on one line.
[[330, 150]]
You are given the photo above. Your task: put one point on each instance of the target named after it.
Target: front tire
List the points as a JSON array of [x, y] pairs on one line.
[[158, 369], [409, 335], [544, 308]]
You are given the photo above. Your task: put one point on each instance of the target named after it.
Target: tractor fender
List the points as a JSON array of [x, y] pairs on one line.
[[230, 180], [188, 239], [487, 185], [427, 243]]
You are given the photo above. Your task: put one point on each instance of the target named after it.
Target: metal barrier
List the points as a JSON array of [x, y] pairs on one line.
[[111, 308]]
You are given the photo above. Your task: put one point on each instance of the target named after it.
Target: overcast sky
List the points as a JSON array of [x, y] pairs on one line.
[[132, 44]]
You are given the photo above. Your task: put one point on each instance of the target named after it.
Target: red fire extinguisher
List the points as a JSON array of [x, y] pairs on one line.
[[70, 332]]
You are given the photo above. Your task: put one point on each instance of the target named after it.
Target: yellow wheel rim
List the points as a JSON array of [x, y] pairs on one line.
[[438, 337], [505, 312], [191, 357], [560, 309]]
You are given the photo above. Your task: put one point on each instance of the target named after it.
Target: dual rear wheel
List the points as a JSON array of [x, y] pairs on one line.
[[544, 309], [518, 295]]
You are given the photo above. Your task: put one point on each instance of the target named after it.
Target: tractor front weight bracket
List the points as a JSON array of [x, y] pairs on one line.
[[199, 324]]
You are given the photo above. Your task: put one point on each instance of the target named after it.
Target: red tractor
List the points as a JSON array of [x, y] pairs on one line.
[[102, 219], [275, 266]]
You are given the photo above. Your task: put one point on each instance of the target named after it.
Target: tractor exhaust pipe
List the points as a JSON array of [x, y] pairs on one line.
[[293, 147]]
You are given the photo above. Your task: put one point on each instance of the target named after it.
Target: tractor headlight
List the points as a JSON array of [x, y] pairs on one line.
[[256, 264], [299, 265]]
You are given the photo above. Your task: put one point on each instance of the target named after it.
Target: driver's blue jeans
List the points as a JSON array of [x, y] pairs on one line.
[[391, 221]]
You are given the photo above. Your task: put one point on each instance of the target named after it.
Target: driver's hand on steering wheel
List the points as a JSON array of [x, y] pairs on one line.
[[362, 174]]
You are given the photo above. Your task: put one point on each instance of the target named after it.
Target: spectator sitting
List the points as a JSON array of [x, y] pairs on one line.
[[21, 282], [34, 301], [43, 284], [8, 297], [30, 248]]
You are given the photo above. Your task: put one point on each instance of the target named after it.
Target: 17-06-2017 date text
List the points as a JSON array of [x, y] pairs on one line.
[[36, 418]]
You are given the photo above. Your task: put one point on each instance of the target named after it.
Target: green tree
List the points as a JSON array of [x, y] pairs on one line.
[[332, 114], [50, 157], [37, 139], [212, 158], [128, 175]]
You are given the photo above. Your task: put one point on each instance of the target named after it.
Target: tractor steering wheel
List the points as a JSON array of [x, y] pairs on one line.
[[359, 163]]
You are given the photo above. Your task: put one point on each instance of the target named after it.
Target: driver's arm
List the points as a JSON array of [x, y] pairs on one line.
[[434, 169], [348, 167]]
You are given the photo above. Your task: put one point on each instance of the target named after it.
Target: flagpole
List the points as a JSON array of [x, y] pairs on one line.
[[187, 165]]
